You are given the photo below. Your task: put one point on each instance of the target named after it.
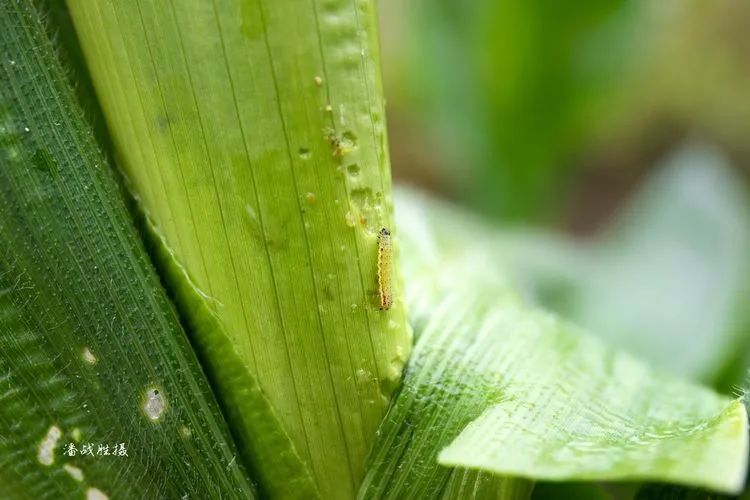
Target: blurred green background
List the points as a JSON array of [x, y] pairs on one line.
[[609, 141], [552, 110]]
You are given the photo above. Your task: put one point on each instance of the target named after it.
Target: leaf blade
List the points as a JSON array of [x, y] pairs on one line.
[[86, 331], [252, 133], [484, 357]]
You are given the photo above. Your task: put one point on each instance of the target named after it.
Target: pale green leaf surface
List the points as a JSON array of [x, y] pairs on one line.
[[578, 411], [86, 331], [253, 134], [268, 452], [542, 399], [673, 270]]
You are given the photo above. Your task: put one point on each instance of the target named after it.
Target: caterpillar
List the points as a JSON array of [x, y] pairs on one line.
[[385, 269]]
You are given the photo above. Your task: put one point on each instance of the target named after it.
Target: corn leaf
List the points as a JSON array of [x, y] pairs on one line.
[[496, 386], [672, 270], [87, 334], [252, 134]]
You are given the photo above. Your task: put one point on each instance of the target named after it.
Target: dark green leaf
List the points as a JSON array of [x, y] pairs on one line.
[[87, 335]]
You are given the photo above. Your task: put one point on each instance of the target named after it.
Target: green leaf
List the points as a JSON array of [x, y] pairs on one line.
[[252, 134], [497, 386], [673, 270], [578, 411], [87, 335], [268, 452]]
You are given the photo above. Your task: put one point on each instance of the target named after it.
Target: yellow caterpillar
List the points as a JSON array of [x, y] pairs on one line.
[[385, 269]]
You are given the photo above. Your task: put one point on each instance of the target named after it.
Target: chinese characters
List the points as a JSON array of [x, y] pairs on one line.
[[96, 450]]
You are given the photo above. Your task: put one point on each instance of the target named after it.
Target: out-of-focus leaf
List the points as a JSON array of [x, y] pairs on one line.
[[515, 86], [674, 276], [669, 281], [497, 386], [91, 352]]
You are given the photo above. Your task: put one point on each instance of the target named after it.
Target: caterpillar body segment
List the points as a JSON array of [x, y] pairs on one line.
[[385, 269]]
